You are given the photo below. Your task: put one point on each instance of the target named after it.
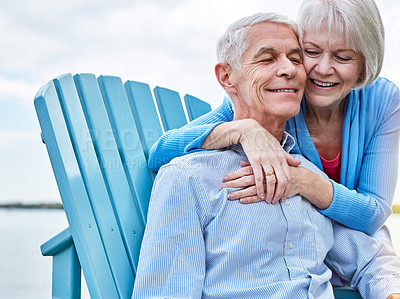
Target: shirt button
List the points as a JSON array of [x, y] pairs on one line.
[[291, 245], [311, 296], [287, 202]]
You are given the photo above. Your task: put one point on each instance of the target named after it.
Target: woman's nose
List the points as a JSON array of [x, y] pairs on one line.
[[324, 65]]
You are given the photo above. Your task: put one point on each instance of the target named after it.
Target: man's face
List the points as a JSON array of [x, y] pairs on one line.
[[271, 80]]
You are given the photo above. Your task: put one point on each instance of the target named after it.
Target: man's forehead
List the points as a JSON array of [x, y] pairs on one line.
[[270, 29], [272, 35]]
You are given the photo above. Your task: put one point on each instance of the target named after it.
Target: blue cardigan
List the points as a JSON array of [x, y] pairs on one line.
[[370, 152]]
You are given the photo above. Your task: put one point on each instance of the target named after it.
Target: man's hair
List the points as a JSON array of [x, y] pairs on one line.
[[233, 43], [358, 20]]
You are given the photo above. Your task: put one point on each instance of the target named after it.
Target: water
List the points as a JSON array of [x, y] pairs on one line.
[[25, 273]]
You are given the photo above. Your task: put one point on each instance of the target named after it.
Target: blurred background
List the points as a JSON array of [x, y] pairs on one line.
[[169, 43]]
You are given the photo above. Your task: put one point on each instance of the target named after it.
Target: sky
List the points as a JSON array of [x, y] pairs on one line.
[[168, 43]]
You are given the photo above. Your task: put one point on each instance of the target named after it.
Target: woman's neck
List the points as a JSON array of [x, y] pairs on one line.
[[324, 125], [325, 115]]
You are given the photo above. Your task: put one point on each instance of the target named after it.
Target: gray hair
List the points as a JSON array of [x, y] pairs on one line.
[[233, 43], [358, 20]]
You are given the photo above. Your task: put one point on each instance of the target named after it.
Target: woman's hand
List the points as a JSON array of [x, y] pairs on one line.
[[269, 164], [241, 178], [244, 178], [313, 187]]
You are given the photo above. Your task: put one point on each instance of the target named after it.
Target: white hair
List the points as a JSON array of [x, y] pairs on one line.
[[358, 20], [233, 43]]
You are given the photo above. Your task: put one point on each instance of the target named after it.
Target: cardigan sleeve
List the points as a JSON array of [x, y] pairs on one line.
[[367, 206], [189, 138]]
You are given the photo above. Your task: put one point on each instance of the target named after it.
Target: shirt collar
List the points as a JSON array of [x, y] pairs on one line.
[[288, 142]]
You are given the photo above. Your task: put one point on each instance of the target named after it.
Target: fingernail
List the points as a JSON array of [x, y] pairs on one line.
[[222, 186], [224, 178]]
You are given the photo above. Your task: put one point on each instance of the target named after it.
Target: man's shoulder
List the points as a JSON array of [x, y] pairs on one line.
[[207, 159], [205, 168]]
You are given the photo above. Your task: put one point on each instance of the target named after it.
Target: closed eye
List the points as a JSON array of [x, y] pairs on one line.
[[296, 60], [267, 60], [342, 58], [311, 53]]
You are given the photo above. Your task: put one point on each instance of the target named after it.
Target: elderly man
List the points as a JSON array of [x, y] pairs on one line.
[[198, 244]]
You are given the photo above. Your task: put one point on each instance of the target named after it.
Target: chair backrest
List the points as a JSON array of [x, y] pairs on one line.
[[98, 132]]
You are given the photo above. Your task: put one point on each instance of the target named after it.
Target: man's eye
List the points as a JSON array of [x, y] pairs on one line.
[[296, 60], [267, 60]]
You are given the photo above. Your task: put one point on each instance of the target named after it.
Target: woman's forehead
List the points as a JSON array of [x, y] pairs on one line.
[[335, 32]]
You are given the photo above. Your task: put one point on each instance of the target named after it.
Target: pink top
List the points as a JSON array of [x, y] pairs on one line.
[[332, 167]]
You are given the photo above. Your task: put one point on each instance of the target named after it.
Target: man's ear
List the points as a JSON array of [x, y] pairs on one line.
[[225, 76]]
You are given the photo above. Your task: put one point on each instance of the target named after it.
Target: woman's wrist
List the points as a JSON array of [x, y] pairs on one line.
[[313, 187], [246, 128], [228, 133]]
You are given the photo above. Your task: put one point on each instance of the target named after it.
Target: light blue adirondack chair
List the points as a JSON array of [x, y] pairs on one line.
[[98, 132]]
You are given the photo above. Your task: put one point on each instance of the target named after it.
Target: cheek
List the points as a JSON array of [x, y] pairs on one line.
[[301, 75], [351, 74], [254, 78], [308, 64]]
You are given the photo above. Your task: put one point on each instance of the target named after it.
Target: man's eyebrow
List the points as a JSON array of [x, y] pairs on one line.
[[296, 51], [264, 50]]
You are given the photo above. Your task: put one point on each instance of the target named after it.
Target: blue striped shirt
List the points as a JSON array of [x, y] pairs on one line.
[[198, 244]]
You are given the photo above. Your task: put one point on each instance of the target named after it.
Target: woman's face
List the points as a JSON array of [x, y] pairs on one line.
[[332, 68]]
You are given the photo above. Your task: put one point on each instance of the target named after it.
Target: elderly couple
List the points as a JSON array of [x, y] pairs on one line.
[[320, 208]]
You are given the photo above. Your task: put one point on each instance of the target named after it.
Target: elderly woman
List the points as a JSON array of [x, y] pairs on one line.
[[348, 124]]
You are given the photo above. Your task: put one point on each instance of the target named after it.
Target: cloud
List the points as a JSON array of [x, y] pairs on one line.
[[16, 89], [12, 138], [170, 43]]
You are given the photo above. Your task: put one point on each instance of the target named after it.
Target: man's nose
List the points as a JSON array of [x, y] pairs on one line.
[[286, 68]]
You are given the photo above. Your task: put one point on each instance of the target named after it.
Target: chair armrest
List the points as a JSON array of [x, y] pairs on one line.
[[66, 282], [346, 293], [59, 242]]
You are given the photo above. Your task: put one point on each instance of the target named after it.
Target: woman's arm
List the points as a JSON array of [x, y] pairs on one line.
[[189, 138], [215, 130], [366, 204], [317, 189]]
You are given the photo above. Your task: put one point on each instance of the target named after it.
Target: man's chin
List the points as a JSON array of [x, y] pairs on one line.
[[289, 112]]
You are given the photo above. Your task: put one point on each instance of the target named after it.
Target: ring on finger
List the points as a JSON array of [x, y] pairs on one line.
[[269, 173]]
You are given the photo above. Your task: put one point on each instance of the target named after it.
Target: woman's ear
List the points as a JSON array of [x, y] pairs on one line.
[[225, 76]]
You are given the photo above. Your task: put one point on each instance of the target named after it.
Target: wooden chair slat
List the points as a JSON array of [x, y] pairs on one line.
[[170, 108], [195, 107]]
